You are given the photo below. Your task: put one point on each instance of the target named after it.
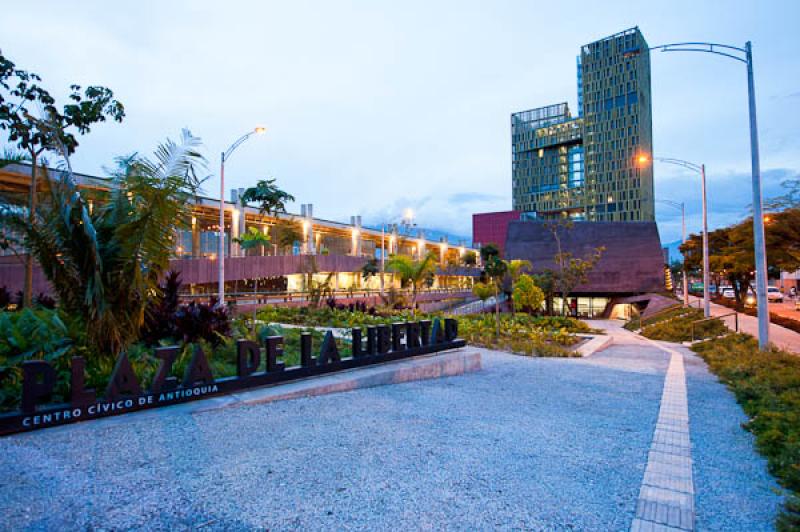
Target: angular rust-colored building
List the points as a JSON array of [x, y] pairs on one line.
[[631, 264]]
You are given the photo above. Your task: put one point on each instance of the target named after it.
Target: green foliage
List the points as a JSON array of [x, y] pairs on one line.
[[680, 325], [767, 386], [252, 239], [370, 269], [288, 234], [413, 272], [483, 291], [30, 334], [489, 251], [470, 258], [105, 265], [270, 199], [522, 334], [527, 296]]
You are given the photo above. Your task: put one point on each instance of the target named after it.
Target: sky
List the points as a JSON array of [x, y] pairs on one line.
[[375, 107]]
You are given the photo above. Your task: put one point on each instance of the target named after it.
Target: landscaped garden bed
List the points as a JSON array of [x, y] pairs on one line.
[[767, 386], [521, 333], [679, 324]]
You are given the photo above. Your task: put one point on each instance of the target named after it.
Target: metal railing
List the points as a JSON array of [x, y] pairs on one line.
[[289, 296], [477, 306], [719, 318]]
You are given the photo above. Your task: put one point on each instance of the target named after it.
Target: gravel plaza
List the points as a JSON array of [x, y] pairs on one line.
[[524, 443]]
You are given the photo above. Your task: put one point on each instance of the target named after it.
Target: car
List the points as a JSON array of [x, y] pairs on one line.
[[728, 292], [774, 294]]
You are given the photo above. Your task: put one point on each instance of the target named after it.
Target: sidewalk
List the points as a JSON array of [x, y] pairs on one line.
[[779, 336]]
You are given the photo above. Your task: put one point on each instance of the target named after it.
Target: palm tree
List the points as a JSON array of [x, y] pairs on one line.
[[412, 272], [105, 264]]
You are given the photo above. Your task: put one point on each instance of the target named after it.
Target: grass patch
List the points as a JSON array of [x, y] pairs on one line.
[[767, 386]]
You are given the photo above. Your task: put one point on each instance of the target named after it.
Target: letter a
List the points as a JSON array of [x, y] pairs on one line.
[[329, 352], [198, 370], [123, 380]]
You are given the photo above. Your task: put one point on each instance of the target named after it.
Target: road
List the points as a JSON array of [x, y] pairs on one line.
[[779, 336]]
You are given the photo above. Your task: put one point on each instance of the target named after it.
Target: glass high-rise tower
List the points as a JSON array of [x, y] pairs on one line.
[[587, 167]]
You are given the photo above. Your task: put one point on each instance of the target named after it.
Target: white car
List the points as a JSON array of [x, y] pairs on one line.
[[728, 292], [774, 294]]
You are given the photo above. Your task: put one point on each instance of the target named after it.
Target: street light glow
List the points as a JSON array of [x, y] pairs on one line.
[[260, 130], [643, 159]]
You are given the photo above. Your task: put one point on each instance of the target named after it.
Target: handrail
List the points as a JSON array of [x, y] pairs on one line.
[[299, 295], [735, 321]]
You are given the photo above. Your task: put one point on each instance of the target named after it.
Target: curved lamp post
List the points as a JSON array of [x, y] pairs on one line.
[[701, 170], [221, 255], [682, 207], [744, 55]]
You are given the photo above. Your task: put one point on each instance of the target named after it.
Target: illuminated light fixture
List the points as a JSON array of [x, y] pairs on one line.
[[643, 159], [260, 130]]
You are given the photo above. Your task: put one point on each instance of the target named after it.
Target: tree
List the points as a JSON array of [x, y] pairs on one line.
[[488, 251], [470, 258], [288, 234], [413, 272], [495, 270], [527, 296], [270, 198], [731, 251], [370, 269], [105, 265], [571, 271], [34, 124], [515, 267]]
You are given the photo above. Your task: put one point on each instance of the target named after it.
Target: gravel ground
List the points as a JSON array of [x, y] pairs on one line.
[[541, 444], [733, 489]]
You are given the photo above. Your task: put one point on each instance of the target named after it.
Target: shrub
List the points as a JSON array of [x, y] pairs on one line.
[[206, 321]]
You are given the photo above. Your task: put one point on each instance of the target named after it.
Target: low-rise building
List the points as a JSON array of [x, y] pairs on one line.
[[320, 250]]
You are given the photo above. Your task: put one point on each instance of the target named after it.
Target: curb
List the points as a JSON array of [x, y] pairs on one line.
[[597, 343], [448, 364]]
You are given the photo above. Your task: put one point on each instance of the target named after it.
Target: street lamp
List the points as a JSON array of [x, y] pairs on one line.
[[682, 207], [224, 157], [744, 55], [701, 170]]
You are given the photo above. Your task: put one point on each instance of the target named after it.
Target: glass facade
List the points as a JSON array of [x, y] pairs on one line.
[[587, 167]]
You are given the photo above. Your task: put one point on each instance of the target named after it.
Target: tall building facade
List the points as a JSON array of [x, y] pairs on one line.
[[587, 167]]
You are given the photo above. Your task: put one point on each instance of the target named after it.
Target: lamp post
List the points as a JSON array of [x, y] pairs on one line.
[[701, 170], [744, 55], [682, 207], [221, 255]]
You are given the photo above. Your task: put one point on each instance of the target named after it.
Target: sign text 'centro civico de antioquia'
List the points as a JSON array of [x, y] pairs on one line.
[[124, 393]]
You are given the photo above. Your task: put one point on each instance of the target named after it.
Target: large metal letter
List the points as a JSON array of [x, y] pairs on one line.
[[198, 371], [329, 352], [306, 360], [248, 358], [79, 395], [163, 381], [274, 351], [38, 381], [123, 380]]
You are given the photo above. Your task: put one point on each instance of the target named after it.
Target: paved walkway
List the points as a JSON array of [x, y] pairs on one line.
[[526, 443], [780, 336]]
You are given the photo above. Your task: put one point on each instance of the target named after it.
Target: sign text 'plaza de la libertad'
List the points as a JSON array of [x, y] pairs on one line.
[[124, 393]]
